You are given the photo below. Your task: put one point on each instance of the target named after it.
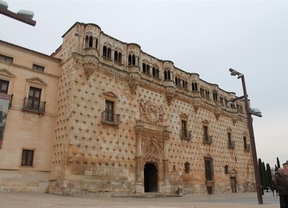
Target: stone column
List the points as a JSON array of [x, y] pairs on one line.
[[166, 160], [138, 169]]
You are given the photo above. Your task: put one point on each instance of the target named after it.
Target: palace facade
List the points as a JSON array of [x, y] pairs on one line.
[[101, 116]]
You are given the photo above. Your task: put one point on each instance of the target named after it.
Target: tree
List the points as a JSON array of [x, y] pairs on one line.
[[278, 163], [261, 172], [269, 175], [265, 181]]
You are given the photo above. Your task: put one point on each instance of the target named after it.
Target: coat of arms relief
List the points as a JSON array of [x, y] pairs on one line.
[[151, 112]]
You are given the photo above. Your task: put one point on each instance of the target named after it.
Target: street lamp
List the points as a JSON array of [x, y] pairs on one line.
[[250, 112], [23, 15]]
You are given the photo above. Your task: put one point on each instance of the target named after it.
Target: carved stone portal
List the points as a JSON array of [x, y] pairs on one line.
[[151, 148]]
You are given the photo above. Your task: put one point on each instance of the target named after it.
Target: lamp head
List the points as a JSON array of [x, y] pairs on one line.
[[3, 4], [233, 72], [26, 13], [255, 112]]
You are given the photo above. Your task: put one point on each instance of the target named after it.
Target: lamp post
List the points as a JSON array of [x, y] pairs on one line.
[[22, 15], [250, 112]]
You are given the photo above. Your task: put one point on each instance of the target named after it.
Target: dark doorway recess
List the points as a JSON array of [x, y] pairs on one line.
[[150, 178], [233, 184]]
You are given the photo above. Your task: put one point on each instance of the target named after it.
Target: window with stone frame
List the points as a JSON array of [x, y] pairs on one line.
[[215, 95], [155, 72], [184, 129], [231, 143], [38, 67], [205, 133], [6, 58], [27, 157], [106, 52], [132, 60], [4, 86], [177, 81], [194, 86], [207, 139], [208, 162], [167, 75], [246, 145], [207, 94], [34, 98], [89, 41], [185, 85], [117, 57], [109, 111], [145, 68]]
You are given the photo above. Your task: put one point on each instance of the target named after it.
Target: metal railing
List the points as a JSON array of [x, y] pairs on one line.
[[110, 118], [232, 144], [33, 106], [247, 147], [207, 139], [186, 135]]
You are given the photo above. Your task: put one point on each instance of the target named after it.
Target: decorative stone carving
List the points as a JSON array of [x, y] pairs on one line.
[[152, 149], [217, 111], [89, 64], [133, 82], [151, 112]]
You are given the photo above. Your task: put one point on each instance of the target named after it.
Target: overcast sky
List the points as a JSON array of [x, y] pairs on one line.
[[204, 37]]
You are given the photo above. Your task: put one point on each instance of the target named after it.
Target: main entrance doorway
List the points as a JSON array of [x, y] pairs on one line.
[[150, 178]]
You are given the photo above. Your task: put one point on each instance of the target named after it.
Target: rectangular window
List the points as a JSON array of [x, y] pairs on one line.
[[245, 142], [6, 58], [109, 111], [208, 170], [4, 86], [34, 98], [37, 67], [246, 145], [27, 157], [205, 131], [184, 128], [229, 139]]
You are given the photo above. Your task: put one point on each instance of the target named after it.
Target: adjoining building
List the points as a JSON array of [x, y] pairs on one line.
[[101, 116]]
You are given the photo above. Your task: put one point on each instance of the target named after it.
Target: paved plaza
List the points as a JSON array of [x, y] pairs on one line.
[[236, 200]]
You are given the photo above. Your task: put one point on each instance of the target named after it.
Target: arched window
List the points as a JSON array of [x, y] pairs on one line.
[[117, 57], [167, 75], [194, 86], [89, 41], [155, 72], [185, 85], [177, 81], [131, 59], [215, 95], [145, 68], [106, 52]]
